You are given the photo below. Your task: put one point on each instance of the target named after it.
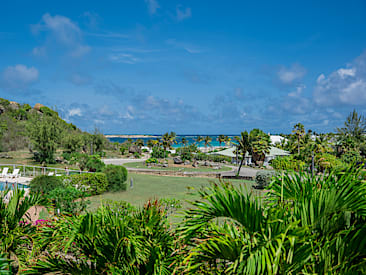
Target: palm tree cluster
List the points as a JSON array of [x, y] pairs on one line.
[[303, 225], [346, 146], [256, 143]]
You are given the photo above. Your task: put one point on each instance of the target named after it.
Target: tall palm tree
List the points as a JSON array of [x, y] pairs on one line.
[[199, 139], [184, 141], [207, 141], [167, 140], [260, 144], [221, 139], [299, 132], [242, 147]]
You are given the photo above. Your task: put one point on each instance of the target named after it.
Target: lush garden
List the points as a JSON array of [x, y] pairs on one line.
[[303, 224]]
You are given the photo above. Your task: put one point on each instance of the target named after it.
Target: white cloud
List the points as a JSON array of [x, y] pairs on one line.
[[183, 13], [64, 31], [19, 76], [298, 91], [75, 112], [343, 86], [124, 58], [343, 73], [289, 75], [152, 6]]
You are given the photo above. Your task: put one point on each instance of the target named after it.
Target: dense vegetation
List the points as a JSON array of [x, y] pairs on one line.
[[43, 132], [303, 225]]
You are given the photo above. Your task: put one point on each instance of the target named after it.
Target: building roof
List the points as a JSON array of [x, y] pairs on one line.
[[230, 152]]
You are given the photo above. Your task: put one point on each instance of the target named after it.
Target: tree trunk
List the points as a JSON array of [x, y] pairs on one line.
[[241, 163]]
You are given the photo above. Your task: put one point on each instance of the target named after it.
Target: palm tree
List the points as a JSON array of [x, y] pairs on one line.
[[184, 141], [227, 141], [199, 139], [312, 225], [299, 132], [167, 140], [221, 139], [242, 147], [207, 141], [260, 144]]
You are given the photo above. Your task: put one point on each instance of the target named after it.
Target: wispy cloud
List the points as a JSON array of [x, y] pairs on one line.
[[289, 75], [182, 45], [183, 13], [19, 77], [123, 58], [152, 6], [64, 31], [115, 35]]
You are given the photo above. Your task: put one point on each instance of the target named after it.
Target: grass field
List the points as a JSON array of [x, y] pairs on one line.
[[147, 187], [188, 168]]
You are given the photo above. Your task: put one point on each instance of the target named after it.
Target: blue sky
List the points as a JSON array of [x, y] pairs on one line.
[[206, 67]]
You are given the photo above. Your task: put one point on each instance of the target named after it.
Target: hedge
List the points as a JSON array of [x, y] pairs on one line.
[[92, 183]]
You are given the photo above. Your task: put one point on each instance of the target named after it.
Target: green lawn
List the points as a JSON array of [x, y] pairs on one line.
[[182, 169], [147, 187]]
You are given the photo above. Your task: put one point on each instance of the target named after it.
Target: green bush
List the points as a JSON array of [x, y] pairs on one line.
[[136, 155], [214, 158], [288, 163], [159, 153], [327, 161], [151, 160], [263, 178], [45, 184], [185, 153], [116, 176], [67, 200], [351, 157], [94, 164], [92, 183]]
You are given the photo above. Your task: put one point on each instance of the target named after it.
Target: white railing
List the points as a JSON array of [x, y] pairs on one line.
[[32, 171]]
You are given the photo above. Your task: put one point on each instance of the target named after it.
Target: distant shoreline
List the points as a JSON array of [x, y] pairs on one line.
[[130, 136]]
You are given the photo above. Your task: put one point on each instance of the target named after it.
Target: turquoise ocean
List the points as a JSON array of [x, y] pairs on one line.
[[190, 139]]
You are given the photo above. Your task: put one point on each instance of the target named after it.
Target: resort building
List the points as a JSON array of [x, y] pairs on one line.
[[273, 153]]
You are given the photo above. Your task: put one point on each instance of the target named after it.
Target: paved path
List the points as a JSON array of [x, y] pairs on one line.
[[121, 161]]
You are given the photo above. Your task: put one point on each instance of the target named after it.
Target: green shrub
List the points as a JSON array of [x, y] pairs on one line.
[[45, 184], [136, 155], [92, 183], [185, 153], [159, 153], [327, 161], [151, 160], [214, 158], [116, 176], [67, 200], [288, 163], [351, 157], [263, 178], [145, 150]]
